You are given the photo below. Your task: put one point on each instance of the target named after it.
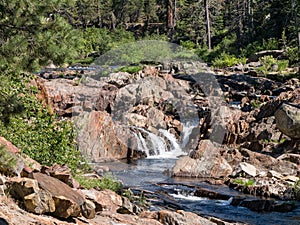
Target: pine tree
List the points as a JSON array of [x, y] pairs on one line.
[[33, 32]]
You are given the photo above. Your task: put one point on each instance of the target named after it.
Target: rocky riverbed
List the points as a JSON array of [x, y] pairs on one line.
[[245, 135]]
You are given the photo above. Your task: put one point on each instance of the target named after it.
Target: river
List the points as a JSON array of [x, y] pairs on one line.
[[163, 191]]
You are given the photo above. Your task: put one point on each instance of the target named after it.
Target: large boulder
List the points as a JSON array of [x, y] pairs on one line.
[[67, 201], [106, 200], [63, 95], [21, 187], [288, 120], [39, 203], [205, 162], [99, 137], [10, 158], [182, 218]]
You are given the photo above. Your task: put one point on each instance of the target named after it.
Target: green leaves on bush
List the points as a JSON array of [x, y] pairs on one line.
[[244, 182], [227, 60], [106, 182], [270, 64], [34, 130]]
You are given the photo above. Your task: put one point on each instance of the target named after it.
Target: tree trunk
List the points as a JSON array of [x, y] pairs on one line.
[[250, 20], [171, 12], [99, 13], [208, 33]]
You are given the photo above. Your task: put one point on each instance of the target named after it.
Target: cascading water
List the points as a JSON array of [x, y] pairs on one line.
[[152, 144], [186, 131], [164, 144]]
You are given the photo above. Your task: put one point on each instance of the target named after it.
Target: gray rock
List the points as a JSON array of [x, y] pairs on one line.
[[247, 168], [88, 209], [288, 120], [182, 218]]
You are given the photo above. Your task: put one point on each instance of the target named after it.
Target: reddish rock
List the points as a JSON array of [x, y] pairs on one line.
[[104, 200], [9, 146], [62, 173], [99, 137], [182, 218], [58, 188]]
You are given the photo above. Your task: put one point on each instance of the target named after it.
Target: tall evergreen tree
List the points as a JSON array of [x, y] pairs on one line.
[[32, 32]]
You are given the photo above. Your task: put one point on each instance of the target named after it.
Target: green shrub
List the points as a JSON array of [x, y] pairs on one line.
[[270, 44], [131, 69], [33, 128], [243, 182], [106, 182], [292, 54], [296, 189], [187, 44], [268, 62], [227, 60]]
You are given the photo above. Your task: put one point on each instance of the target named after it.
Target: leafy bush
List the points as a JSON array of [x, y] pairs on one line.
[[187, 44], [292, 54], [269, 61], [35, 130], [106, 182], [296, 189], [270, 44], [131, 69], [226, 60]]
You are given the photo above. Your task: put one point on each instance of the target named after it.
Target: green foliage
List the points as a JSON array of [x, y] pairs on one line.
[[188, 44], [7, 160], [270, 44], [106, 182], [257, 46], [29, 39], [227, 60], [131, 69], [100, 41], [140, 199], [268, 62], [256, 103], [297, 189], [244, 182], [292, 54], [35, 130]]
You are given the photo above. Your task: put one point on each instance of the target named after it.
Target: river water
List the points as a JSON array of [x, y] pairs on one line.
[[150, 176]]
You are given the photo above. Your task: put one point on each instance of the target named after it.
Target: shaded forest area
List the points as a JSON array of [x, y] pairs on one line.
[[63, 31]]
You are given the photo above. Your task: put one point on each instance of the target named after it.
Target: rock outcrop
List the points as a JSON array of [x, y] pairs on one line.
[[206, 162], [288, 120]]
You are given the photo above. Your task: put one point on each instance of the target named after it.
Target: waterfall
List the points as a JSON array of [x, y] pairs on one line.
[[153, 145], [164, 144], [186, 132], [175, 149], [142, 145]]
